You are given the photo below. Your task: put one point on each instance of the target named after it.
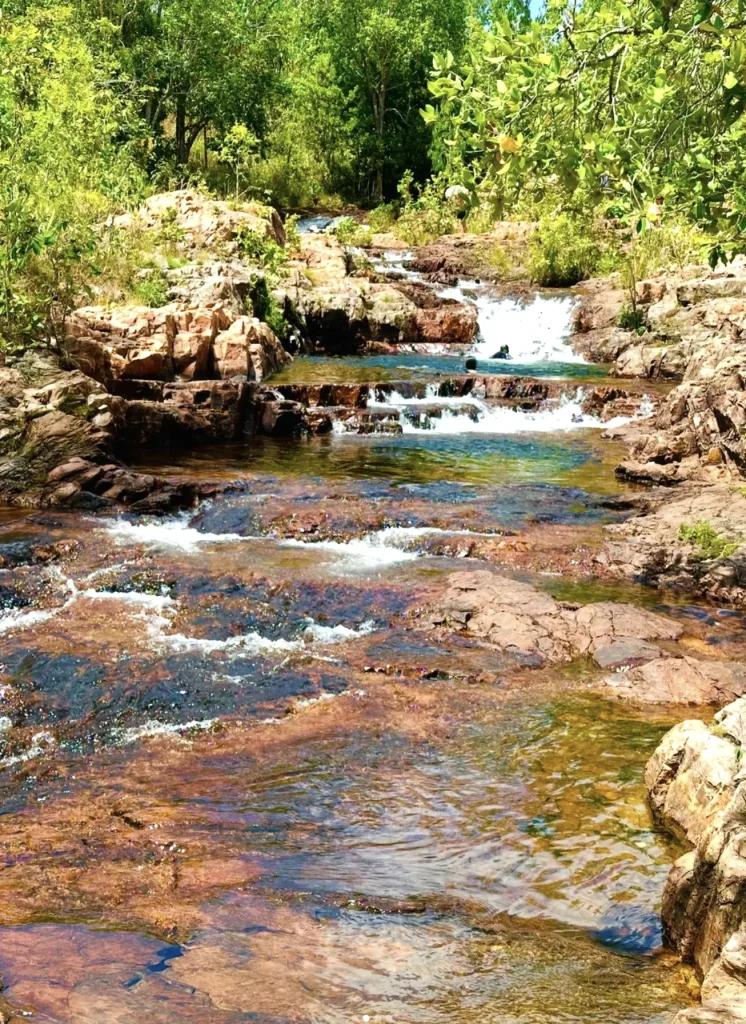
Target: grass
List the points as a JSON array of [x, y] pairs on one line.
[[710, 544]]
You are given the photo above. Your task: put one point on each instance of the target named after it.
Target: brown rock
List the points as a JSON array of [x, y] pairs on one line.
[[697, 790], [682, 681], [70, 468], [250, 349], [516, 617]]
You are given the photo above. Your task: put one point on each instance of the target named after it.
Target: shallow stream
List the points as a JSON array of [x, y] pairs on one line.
[[237, 784]]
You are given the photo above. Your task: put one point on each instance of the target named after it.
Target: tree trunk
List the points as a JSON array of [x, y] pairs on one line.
[[182, 151], [380, 117]]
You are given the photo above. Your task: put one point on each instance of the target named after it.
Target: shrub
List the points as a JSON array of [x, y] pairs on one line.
[[259, 249], [151, 290], [632, 320], [383, 218], [711, 544], [170, 229], [673, 245], [266, 308], [348, 232], [427, 215], [563, 250], [481, 219], [498, 258], [292, 235]]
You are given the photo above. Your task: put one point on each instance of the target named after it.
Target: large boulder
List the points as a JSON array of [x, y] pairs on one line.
[[250, 349], [453, 323], [697, 790], [128, 341], [681, 681], [203, 222], [172, 343], [187, 413], [652, 547], [48, 416]]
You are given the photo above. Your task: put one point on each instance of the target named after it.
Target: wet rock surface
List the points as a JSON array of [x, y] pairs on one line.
[[520, 619], [656, 547]]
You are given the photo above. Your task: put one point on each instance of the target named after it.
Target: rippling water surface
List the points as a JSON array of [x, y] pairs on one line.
[[237, 784]]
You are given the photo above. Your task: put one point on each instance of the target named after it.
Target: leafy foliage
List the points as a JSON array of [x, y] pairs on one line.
[[259, 249], [349, 232], [424, 215], [707, 540], [633, 106], [152, 289], [632, 320], [564, 250], [63, 166]]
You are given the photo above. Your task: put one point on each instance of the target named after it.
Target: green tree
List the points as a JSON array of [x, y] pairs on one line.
[[239, 146], [635, 105], [381, 53], [63, 166]]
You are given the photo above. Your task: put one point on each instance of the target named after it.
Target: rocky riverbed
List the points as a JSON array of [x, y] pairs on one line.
[[329, 670]]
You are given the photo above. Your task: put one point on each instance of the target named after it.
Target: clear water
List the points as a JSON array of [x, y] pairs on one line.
[[237, 784], [416, 365]]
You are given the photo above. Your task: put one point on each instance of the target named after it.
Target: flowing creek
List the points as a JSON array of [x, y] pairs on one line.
[[237, 785]]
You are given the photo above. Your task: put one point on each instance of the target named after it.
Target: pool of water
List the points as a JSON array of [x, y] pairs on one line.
[[414, 365], [493, 871], [578, 459]]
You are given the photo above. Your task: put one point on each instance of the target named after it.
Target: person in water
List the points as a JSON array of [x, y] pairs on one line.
[[504, 353]]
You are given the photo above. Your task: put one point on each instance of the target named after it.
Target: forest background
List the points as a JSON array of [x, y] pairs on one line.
[[600, 120]]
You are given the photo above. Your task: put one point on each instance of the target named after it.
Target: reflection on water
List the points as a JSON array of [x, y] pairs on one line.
[[579, 460], [538, 811], [494, 875], [413, 365]]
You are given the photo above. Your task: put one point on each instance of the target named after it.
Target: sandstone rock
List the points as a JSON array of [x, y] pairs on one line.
[[650, 547], [710, 288], [690, 778], [206, 223], [130, 341], [73, 467], [46, 422], [200, 412], [681, 681], [624, 653], [344, 314], [698, 790], [451, 324], [225, 286], [250, 349], [516, 617]]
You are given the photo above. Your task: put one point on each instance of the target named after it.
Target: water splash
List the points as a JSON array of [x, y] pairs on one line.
[[535, 331], [433, 414], [165, 534]]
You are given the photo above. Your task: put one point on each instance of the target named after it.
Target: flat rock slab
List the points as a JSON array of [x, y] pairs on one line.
[[520, 619], [681, 681], [626, 653]]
